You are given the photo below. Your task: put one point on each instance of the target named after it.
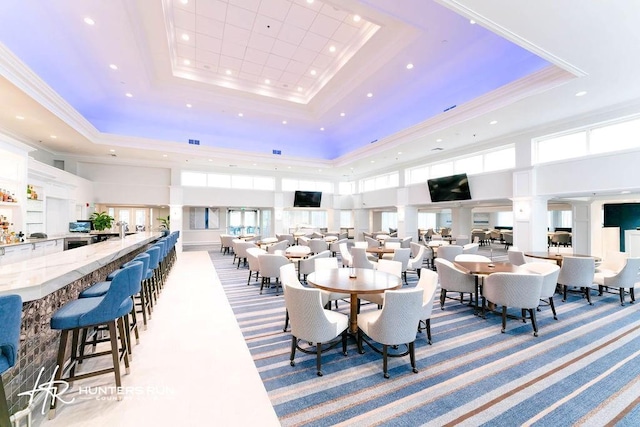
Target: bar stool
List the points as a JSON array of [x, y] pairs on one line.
[[91, 312], [10, 319]]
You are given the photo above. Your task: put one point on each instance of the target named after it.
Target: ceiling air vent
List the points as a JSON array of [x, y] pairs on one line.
[[277, 152], [194, 142], [449, 108]]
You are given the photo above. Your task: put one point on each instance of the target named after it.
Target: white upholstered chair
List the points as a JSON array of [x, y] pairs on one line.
[[318, 245], [415, 263], [428, 283], [549, 272], [312, 323], [514, 290], [388, 266], [289, 277], [470, 248], [577, 272], [626, 278], [395, 324], [345, 254], [360, 259], [449, 252], [308, 265], [516, 257], [453, 280], [270, 268], [252, 260]]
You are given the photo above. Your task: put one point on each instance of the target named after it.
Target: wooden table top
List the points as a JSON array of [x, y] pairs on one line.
[[474, 267], [555, 256], [367, 281], [380, 250]]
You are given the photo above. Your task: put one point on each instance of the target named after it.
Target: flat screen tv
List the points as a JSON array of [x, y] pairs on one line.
[[449, 188], [307, 199], [80, 226]]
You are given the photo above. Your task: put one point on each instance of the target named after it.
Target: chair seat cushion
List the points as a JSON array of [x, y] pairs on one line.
[[4, 363], [87, 312], [95, 290], [599, 277]]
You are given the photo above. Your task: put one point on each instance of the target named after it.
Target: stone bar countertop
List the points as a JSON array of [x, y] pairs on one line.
[[37, 277]]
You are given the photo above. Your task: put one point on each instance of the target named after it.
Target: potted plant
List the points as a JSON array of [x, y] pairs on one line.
[[165, 222], [101, 220]]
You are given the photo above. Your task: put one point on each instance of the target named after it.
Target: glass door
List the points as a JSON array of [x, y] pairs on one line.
[[243, 221]]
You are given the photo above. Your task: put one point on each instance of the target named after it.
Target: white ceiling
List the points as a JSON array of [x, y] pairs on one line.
[[520, 64]]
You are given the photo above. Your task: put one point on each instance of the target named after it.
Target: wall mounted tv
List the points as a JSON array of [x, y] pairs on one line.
[[449, 188], [307, 199]]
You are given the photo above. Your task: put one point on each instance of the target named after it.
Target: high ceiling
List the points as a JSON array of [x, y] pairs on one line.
[[324, 83]]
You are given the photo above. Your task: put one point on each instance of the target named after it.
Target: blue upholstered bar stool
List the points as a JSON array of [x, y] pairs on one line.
[[91, 312], [155, 251], [10, 318]]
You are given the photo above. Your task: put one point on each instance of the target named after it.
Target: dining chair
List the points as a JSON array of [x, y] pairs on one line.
[[345, 255], [289, 277], [549, 272], [612, 262], [453, 280], [514, 290], [516, 257], [577, 272], [626, 278], [254, 264], [462, 240], [428, 283], [402, 255], [388, 266], [318, 245], [327, 297], [270, 268], [360, 259], [281, 245], [415, 263], [449, 252], [307, 266], [394, 325], [470, 248], [310, 322], [371, 242]]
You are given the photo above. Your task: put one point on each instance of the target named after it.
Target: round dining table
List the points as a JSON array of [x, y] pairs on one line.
[[556, 256], [354, 281]]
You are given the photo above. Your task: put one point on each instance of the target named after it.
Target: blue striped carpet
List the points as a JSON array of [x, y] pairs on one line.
[[583, 369]]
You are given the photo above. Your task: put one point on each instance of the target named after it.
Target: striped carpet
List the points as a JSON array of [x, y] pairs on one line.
[[583, 369]]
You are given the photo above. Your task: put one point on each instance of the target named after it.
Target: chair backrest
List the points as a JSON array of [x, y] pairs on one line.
[[371, 242], [428, 283], [405, 242], [286, 237], [516, 257], [303, 240], [508, 238], [549, 272], [390, 266], [270, 264], [470, 248], [402, 255], [252, 258], [154, 257], [449, 252], [392, 245], [359, 258], [452, 279], [627, 277], [289, 276], [613, 261], [418, 258], [318, 245], [577, 271], [345, 254], [472, 258], [241, 248], [278, 246], [309, 321], [513, 289], [308, 265], [335, 245], [325, 263], [398, 321], [10, 319], [360, 245]]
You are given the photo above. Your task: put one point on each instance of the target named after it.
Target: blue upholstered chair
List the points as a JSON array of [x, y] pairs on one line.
[[10, 318], [106, 310]]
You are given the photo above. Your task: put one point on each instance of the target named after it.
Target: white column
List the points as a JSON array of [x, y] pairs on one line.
[[461, 221], [529, 213], [175, 212]]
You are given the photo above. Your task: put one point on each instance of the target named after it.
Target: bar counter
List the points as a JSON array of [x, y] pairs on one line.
[[45, 284]]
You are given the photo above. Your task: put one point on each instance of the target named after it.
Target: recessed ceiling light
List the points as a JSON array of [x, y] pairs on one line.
[[89, 21], [493, 122], [211, 160], [332, 49], [472, 22], [164, 155], [187, 62], [288, 167], [373, 161], [356, 18], [310, 1], [314, 72], [240, 115], [185, 37], [112, 150], [299, 89], [439, 140], [53, 137], [267, 81], [20, 117], [625, 192], [369, 95], [399, 152], [322, 129], [284, 122], [184, 1], [409, 66], [128, 95], [189, 105], [581, 93], [228, 72], [113, 66], [342, 114]]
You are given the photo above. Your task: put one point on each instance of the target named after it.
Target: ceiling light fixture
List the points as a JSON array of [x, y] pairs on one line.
[[240, 115], [342, 114], [373, 161], [369, 95], [164, 155], [299, 89], [228, 72], [409, 66], [581, 93], [184, 1], [472, 22], [112, 150], [187, 62], [267, 81], [437, 149], [314, 72], [113, 66], [185, 37], [20, 117], [284, 122], [322, 129], [53, 137], [310, 1], [493, 122], [89, 21], [189, 105], [128, 95], [332, 49], [356, 18], [439, 140]]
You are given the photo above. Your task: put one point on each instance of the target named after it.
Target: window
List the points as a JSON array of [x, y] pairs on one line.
[[194, 179], [427, 220], [346, 219], [221, 180], [441, 169], [620, 136], [380, 182], [346, 188], [469, 165], [500, 159], [306, 185], [562, 147], [389, 220]]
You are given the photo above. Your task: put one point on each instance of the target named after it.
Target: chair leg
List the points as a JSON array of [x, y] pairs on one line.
[[534, 323], [286, 320], [587, 291], [114, 352], [293, 350], [622, 297], [384, 361], [319, 358], [632, 295], [360, 349], [62, 349], [344, 342], [412, 356], [443, 295], [553, 308], [504, 318], [564, 293]]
